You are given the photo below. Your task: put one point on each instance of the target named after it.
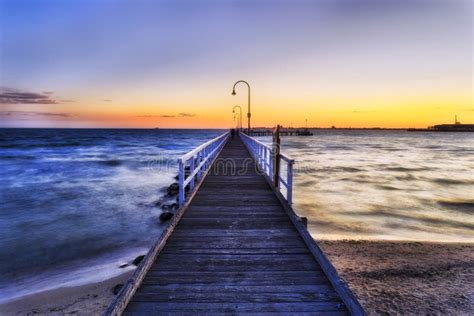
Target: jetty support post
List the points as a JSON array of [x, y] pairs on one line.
[[181, 182], [289, 182], [191, 172], [276, 156]]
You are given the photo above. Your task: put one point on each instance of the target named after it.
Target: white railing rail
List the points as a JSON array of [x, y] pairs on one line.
[[263, 156], [193, 165]]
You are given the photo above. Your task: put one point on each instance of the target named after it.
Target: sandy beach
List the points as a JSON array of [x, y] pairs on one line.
[[407, 277], [387, 277], [89, 299]]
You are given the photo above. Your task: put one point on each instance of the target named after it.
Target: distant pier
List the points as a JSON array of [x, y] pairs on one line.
[[283, 132]]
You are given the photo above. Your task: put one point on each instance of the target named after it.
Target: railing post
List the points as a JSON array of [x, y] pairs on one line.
[[276, 156], [205, 157], [199, 159], [270, 162], [289, 182], [181, 183], [191, 172]]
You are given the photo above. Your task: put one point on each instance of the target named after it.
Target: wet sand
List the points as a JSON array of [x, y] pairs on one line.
[[387, 277], [407, 277], [89, 299]]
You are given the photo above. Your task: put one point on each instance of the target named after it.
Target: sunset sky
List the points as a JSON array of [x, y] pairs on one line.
[[173, 63]]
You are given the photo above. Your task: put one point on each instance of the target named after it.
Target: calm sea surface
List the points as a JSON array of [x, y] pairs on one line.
[[392, 185], [75, 204]]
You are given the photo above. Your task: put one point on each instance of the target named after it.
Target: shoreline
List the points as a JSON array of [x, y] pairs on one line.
[[396, 277], [87, 299]]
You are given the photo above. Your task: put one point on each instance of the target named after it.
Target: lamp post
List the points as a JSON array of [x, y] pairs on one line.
[[233, 111], [248, 113]]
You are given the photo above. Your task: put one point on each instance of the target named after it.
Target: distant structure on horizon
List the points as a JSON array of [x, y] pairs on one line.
[[456, 127]]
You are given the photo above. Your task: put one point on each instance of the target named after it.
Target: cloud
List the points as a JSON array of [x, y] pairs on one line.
[[169, 115], [107, 100], [186, 114], [30, 114], [66, 101], [14, 96], [152, 115]]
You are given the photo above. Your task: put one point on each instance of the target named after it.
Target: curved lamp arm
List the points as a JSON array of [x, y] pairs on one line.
[[240, 108], [248, 112]]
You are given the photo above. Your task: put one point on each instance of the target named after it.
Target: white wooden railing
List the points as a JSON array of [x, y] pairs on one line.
[[264, 158], [198, 160]]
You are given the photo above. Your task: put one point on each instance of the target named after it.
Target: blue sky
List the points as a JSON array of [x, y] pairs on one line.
[[162, 57]]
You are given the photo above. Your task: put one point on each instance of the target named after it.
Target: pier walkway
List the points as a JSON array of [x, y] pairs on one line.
[[235, 248]]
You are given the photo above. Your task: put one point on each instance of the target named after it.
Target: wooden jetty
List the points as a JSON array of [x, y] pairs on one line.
[[235, 246]]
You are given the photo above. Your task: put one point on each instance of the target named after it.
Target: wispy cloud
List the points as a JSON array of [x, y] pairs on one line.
[[169, 115], [31, 114], [106, 100], [186, 114], [14, 96], [153, 115]]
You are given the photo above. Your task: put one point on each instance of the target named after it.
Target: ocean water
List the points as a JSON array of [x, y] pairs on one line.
[[75, 204], [390, 185]]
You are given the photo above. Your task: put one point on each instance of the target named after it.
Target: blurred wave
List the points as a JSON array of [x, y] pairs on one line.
[[75, 201], [384, 184]]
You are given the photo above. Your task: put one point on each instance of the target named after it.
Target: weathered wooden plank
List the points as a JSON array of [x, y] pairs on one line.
[[325, 289], [237, 278], [235, 214], [182, 307], [230, 267], [224, 296], [243, 201], [236, 242], [218, 233], [234, 223], [279, 262], [218, 209], [203, 250], [177, 259], [213, 197]]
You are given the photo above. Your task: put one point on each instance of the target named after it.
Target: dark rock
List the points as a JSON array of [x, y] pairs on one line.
[[123, 265], [116, 289], [173, 189], [166, 216], [138, 259]]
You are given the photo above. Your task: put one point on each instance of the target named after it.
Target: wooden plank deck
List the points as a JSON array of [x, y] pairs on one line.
[[236, 249]]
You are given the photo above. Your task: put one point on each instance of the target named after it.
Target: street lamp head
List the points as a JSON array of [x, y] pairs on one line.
[[233, 111], [233, 92]]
